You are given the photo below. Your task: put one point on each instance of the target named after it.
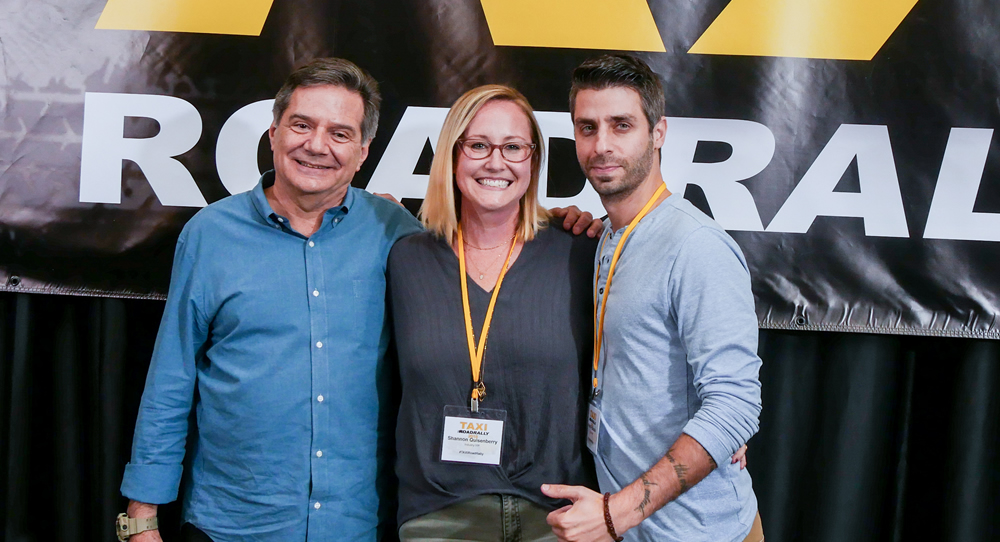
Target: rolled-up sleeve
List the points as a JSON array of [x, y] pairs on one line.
[[154, 473], [714, 309]]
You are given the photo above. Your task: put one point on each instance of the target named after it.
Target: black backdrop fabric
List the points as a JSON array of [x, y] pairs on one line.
[[863, 437], [935, 73]]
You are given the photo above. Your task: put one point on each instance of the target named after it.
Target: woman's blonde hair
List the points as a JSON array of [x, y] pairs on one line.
[[442, 207]]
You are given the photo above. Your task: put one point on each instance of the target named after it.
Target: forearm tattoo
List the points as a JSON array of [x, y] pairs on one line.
[[646, 484], [680, 470]]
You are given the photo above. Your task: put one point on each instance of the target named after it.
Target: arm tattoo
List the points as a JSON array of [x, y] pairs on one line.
[[680, 470], [645, 499]]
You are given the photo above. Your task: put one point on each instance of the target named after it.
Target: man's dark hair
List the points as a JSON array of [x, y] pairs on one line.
[[337, 72], [618, 70]]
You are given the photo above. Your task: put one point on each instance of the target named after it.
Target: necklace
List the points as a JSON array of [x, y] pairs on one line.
[[482, 273], [503, 243]]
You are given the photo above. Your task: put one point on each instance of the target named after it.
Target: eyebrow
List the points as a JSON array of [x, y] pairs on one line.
[[625, 118], [613, 118], [299, 116], [508, 138]]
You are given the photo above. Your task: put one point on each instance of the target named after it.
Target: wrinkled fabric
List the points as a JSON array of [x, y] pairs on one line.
[[277, 343]]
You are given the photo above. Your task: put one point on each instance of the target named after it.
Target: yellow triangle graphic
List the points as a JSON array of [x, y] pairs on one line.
[[623, 25], [831, 29], [236, 17]]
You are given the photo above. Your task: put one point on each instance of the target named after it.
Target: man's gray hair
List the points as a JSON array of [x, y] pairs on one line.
[[337, 72]]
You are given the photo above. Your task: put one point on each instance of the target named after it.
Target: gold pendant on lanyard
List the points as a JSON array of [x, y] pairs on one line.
[[476, 354], [599, 331], [478, 394]]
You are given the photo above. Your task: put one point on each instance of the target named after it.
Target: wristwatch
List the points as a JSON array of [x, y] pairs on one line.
[[126, 526]]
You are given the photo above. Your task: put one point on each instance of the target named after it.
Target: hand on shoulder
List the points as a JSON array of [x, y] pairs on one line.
[[578, 221]]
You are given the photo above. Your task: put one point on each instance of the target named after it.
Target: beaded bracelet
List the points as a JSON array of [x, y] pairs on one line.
[[607, 520]]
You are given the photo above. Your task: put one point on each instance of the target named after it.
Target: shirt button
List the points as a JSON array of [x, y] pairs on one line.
[[316, 506], [319, 344], [319, 398], [319, 453], [337, 220], [315, 293], [281, 219], [311, 244]]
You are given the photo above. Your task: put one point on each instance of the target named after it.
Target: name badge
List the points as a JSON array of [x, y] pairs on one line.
[[593, 427], [472, 437]]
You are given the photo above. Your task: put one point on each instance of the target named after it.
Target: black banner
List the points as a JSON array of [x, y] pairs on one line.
[[849, 149]]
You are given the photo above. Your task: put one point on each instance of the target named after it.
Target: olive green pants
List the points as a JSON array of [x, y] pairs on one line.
[[487, 518]]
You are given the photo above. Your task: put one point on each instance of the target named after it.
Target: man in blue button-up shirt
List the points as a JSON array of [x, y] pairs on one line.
[[274, 335]]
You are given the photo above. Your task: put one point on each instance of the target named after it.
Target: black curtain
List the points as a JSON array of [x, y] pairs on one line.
[[863, 437]]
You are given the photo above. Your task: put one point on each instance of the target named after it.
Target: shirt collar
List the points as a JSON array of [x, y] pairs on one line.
[[269, 216]]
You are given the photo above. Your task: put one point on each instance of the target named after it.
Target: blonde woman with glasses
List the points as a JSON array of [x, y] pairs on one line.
[[493, 327]]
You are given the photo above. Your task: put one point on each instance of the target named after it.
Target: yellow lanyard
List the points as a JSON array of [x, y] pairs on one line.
[[476, 354], [599, 332]]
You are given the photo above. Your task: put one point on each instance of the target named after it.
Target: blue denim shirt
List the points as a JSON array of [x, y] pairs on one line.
[[269, 365]]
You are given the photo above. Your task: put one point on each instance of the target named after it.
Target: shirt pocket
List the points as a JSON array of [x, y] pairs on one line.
[[366, 309]]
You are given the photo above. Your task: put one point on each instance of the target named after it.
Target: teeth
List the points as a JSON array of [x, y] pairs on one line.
[[495, 183], [306, 164]]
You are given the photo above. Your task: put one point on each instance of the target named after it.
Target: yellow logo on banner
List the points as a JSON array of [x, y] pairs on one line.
[[625, 25], [831, 29], [238, 17]]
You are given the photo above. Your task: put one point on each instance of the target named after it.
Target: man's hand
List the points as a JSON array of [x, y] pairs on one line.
[[582, 521], [685, 464], [142, 510], [741, 457], [388, 197], [146, 536], [578, 220]]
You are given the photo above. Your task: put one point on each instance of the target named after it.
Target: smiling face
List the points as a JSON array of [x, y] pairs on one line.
[[614, 144], [317, 143], [494, 184]]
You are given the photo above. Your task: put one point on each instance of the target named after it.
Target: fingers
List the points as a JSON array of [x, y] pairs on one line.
[[740, 454], [583, 222], [595, 228], [556, 515], [388, 197], [558, 491], [572, 217], [741, 457]]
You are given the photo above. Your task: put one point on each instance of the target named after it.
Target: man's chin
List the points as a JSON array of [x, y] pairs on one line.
[[606, 186]]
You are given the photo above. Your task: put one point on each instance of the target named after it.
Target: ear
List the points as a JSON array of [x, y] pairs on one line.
[[659, 132], [364, 154], [270, 133]]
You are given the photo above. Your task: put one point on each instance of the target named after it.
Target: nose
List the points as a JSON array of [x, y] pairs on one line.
[[602, 141], [495, 161], [314, 143]]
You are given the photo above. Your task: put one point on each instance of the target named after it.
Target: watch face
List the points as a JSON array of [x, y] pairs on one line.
[[122, 527]]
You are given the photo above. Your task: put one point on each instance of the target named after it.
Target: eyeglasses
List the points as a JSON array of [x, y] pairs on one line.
[[512, 151]]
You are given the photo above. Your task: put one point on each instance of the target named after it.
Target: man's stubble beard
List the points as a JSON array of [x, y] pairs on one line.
[[635, 173]]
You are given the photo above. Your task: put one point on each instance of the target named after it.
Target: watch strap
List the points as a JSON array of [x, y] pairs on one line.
[[126, 526]]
